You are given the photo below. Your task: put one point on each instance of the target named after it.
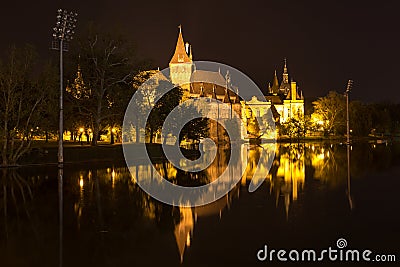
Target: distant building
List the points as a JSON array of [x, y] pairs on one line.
[[78, 88]]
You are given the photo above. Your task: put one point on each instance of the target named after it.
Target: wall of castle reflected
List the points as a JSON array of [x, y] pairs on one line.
[[108, 200]]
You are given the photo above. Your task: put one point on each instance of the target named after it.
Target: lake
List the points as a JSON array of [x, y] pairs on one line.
[[97, 215]]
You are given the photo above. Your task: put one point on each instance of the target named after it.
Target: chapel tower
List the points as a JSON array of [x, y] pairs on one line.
[[181, 64]]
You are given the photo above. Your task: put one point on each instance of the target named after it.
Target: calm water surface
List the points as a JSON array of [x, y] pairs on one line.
[[102, 217]]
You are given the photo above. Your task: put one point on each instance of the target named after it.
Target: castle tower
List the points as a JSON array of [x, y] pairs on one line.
[[285, 73], [285, 85], [181, 64]]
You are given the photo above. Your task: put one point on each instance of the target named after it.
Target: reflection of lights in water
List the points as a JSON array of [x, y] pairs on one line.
[[289, 177], [321, 156], [188, 240], [327, 154], [113, 178], [313, 148], [78, 206]]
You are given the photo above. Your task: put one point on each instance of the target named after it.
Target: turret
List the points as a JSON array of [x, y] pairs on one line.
[[294, 90], [285, 74], [181, 63], [275, 84], [285, 85]]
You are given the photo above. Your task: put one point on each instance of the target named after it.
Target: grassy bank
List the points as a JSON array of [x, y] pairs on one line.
[[46, 153]]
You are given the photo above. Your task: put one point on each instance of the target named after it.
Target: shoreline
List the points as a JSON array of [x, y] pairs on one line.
[[46, 154]]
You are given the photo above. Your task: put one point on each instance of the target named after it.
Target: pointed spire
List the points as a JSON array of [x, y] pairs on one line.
[[275, 84], [180, 55], [285, 76], [227, 78], [190, 53], [285, 66]]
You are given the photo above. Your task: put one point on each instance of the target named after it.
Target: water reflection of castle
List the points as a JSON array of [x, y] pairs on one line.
[[287, 174], [285, 182]]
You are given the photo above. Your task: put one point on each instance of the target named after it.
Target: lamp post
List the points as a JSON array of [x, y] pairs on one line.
[[62, 35], [348, 89]]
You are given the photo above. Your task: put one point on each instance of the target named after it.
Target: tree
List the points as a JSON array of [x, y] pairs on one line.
[[48, 110], [360, 118], [20, 101], [330, 112], [294, 128], [162, 108], [108, 63]]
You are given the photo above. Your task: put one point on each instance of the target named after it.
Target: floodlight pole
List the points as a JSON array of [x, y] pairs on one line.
[[61, 110], [348, 89], [63, 32]]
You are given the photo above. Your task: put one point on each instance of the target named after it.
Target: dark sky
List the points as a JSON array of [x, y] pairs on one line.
[[325, 42]]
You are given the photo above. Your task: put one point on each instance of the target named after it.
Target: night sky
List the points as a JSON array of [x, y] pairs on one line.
[[325, 42]]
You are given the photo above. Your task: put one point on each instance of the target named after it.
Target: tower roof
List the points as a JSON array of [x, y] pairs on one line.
[[275, 84], [298, 96], [180, 55], [285, 86]]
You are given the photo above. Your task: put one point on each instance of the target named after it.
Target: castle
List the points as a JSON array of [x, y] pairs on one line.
[[284, 99]]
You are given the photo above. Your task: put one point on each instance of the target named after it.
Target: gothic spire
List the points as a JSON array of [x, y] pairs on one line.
[[275, 84], [180, 55], [285, 75]]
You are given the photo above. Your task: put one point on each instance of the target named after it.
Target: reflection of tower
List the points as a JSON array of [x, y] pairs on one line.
[[290, 173], [188, 216], [183, 230], [181, 64]]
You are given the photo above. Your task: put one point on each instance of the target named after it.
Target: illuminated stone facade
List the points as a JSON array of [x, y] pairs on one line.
[[286, 99]]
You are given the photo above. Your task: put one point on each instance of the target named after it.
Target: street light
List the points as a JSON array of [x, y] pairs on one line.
[[63, 32], [348, 89]]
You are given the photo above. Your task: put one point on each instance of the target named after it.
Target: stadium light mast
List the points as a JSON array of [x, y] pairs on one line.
[[63, 33], [348, 89]]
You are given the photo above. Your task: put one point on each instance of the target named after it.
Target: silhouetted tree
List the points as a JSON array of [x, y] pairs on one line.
[[21, 95], [108, 62]]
